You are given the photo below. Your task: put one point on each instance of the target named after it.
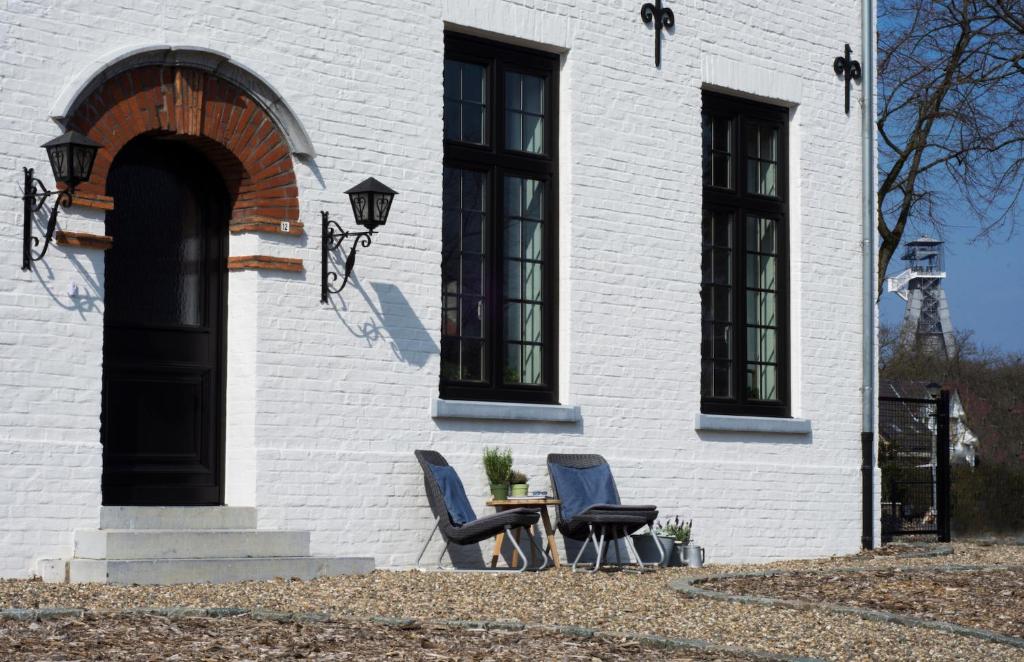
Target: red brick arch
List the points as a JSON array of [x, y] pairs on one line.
[[216, 116]]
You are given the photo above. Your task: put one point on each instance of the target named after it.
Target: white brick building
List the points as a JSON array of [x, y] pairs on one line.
[[319, 407]]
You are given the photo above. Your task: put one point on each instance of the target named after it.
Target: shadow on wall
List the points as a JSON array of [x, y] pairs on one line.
[[393, 321], [83, 292]]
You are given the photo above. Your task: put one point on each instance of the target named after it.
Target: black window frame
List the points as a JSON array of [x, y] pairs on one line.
[[499, 162], [738, 202]]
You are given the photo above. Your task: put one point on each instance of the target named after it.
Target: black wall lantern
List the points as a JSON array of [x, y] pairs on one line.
[[371, 202], [71, 158]]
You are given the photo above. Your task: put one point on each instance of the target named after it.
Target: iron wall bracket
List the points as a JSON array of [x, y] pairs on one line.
[[35, 195], [332, 237], [663, 18], [849, 69]]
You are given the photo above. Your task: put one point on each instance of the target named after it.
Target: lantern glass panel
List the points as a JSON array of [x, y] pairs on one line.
[[360, 206], [381, 204], [82, 163], [59, 161]]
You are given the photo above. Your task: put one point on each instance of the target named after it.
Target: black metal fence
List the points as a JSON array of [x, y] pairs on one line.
[[913, 454]]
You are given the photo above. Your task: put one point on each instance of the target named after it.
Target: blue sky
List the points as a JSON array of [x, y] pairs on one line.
[[984, 284]]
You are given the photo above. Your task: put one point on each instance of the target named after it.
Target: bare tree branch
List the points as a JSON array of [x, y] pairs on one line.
[[951, 116]]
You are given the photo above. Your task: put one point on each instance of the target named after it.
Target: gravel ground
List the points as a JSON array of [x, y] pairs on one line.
[[242, 638], [986, 599], [610, 602]]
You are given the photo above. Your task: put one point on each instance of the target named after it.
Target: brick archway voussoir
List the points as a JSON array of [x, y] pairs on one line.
[[224, 122]]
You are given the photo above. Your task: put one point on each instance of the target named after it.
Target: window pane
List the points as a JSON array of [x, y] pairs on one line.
[[513, 321], [513, 91], [762, 382], [532, 281], [532, 240], [722, 379], [472, 232], [465, 101], [532, 372], [717, 138], [473, 118], [533, 134], [532, 331], [762, 151], [513, 238], [524, 113], [513, 364], [513, 279], [474, 83], [761, 308], [761, 234], [761, 345], [472, 317], [533, 199], [761, 271], [472, 274], [533, 93], [473, 361]]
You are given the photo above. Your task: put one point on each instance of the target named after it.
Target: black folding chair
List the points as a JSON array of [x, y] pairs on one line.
[[591, 511], [476, 529]]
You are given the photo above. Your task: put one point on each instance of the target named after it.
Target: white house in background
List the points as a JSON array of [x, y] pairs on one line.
[[587, 253]]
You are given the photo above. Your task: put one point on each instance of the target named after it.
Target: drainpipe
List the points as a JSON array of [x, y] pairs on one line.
[[869, 246]]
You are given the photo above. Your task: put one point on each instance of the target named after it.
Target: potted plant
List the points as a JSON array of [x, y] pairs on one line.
[[498, 467], [520, 487], [676, 532]]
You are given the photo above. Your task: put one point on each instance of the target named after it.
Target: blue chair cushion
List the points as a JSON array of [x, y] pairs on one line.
[[454, 493], [580, 489]]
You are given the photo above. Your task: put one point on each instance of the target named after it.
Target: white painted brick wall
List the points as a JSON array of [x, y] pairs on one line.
[[327, 403]]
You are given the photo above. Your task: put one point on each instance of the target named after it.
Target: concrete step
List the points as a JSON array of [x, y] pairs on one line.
[[126, 544], [190, 571], [177, 517]]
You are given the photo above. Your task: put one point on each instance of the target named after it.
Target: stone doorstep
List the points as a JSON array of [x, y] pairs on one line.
[[177, 517], [183, 545], [215, 571], [137, 544]]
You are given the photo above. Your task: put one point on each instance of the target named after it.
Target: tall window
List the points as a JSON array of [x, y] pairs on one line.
[[744, 282], [498, 266]]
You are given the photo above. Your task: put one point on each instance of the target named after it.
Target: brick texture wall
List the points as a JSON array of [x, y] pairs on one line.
[[327, 403]]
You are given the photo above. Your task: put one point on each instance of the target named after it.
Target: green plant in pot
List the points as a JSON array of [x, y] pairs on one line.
[[677, 529], [519, 484], [498, 467]]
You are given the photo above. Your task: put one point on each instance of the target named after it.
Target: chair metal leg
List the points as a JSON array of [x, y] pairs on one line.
[[437, 523], [600, 551], [583, 548], [519, 551], [661, 550], [543, 554], [618, 553], [633, 554], [440, 558]]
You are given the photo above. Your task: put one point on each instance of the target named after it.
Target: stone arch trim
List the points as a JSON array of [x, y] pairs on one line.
[[222, 120]]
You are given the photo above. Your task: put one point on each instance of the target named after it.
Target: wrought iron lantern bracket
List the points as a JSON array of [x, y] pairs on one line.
[[849, 69], [662, 18], [34, 197], [333, 237]]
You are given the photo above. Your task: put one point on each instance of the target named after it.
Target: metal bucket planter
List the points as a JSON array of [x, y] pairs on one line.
[[692, 555]]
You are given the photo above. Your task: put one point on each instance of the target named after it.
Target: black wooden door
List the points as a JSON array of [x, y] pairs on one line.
[[163, 346]]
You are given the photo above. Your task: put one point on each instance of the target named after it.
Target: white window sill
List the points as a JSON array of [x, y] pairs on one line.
[[755, 424], [504, 411]]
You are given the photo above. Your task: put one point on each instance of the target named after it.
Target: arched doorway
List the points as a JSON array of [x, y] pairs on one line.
[[164, 326]]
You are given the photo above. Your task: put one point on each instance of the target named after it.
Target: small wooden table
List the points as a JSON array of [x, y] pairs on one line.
[[538, 503]]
